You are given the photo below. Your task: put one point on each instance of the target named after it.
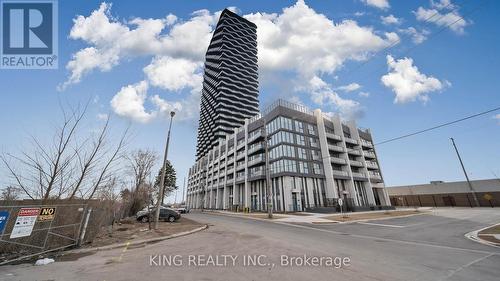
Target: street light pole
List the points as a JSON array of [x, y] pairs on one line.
[[474, 196], [163, 173]]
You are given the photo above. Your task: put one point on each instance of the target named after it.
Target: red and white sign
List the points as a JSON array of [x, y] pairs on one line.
[[25, 222]]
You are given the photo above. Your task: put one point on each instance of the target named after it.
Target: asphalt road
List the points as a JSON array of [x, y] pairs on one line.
[[423, 247]]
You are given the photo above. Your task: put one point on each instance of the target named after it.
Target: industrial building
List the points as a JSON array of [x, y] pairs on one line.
[[447, 194]]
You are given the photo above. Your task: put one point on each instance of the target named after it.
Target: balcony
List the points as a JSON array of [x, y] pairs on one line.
[[336, 160], [255, 148], [240, 145], [258, 173], [366, 143], [240, 166], [349, 140], [339, 173], [240, 155], [336, 148], [372, 164], [333, 136], [356, 163], [229, 181], [375, 175], [358, 175], [240, 177], [256, 160], [369, 154], [255, 136], [230, 171], [354, 152]]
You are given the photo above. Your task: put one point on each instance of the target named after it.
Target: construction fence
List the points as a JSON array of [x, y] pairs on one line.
[[33, 227]]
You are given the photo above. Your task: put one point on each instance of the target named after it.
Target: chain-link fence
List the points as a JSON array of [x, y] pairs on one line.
[[31, 227]]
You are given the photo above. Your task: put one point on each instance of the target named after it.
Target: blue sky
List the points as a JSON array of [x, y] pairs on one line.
[[438, 73]]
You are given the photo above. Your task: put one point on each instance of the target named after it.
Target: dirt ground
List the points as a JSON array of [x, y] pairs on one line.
[[133, 230], [491, 234], [374, 215]]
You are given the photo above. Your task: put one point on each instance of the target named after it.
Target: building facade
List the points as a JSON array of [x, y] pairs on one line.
[[447, 194], [313, 160], [230, 83]]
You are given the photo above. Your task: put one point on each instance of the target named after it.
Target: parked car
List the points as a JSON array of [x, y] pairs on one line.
[[182, 210], [166, 214]]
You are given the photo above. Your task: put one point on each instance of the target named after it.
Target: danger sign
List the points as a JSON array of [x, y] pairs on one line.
[[25, 221], [47, 214]]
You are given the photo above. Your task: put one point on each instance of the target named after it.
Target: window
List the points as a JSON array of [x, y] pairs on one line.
[[284, 165], [314, 142], [301, 140], [311, 129], [315, 155], [282, 151], [299, 127], [303, 167], [317, 169], [301, 153]]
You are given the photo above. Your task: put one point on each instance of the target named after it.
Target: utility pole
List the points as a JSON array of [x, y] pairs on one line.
[[268, 175], [465, 173], [163, 173]]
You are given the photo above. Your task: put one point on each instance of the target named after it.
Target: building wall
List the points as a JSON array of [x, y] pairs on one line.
[[447, 194], [313, 160]]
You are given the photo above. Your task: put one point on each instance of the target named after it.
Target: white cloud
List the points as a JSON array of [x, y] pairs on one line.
[[102, 116], [406, 81], [323, 95], [381, 4], [112, 40], [185, 109], [442, 4], [364, 94], [174, 74], [416, 36], [298, 40], [443, 14], [390, 19], [349, 88], [129, 102], [301, 40]]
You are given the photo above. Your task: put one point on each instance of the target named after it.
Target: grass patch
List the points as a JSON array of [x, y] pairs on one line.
[[492, 230]]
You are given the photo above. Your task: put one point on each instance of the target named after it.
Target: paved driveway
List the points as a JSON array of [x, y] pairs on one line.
[[424, 247]]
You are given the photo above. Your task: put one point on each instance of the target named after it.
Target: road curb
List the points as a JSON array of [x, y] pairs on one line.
[[138, 242], [473, 235]]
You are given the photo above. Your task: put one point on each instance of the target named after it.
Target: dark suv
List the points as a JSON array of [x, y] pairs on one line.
[[166, 214]]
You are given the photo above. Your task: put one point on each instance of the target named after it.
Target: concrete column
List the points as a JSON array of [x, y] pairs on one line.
[[246, 192], [325, 156], [368, 186], [337, 122]]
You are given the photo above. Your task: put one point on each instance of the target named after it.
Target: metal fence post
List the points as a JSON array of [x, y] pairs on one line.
[[82, 236]]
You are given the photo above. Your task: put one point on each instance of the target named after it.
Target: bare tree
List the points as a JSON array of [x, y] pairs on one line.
[[72, 164], [140, 166], [10, 193], [141, 163]]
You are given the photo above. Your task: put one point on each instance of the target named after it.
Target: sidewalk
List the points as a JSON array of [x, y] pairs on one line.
[[316, 218]]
